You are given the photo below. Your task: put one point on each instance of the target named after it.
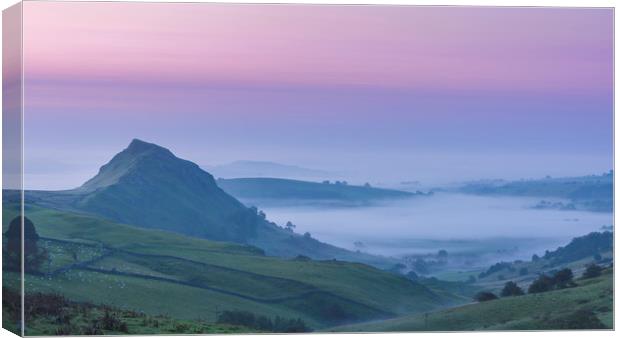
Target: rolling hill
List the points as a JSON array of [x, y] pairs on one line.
[[148, 186], [593, 193], [589, 305], [596, 247], [285, 191], [157, 272]]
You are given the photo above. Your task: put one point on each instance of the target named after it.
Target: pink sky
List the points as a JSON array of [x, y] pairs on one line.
[[526, 91], [555, 50]]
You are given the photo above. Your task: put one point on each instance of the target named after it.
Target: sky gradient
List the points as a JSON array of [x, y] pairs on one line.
[[379, 92]]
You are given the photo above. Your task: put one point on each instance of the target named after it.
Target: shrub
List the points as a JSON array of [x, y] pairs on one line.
[[592, 271], [543, 284], [262, 323], [412, 275], [578, 320], [563, 278], [484, 296], [496, 268], [511, 289], [111, 321]]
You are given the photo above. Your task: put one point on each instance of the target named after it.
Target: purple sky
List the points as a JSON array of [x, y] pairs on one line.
[[382, 93]]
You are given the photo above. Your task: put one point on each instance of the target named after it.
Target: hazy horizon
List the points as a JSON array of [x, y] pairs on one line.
[[428, 169], [391, 93]]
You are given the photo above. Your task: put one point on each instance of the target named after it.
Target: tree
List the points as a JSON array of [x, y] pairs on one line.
[[421, 266], [367, 185], [307, 235], [544, 283], [34, 256], [290, 226], [563, 278], [535, 258], [484, 296], [397, 268], [592, 271], [412, 275], [523, 271], [511, 289], [442, 255]]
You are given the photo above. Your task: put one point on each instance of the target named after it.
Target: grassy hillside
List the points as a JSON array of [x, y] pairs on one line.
[[53, 314], [588, 305], [596, 247], [285, 191], [163, 273]]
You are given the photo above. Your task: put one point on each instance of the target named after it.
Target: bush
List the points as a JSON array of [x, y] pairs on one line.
[[563, 278], [578, 320], [412, 275], [543, 284], [262, 323], [592, 271], [111, 321], [560, 280], [496, 268], [511, 289], [484, 296]]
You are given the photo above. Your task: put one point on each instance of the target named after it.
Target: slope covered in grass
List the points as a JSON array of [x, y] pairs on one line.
[[159, 272], [589, 305]]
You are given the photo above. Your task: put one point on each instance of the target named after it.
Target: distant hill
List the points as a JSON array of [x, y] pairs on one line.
[[290, 191], [594, 192], [264, 169], [147, 185]]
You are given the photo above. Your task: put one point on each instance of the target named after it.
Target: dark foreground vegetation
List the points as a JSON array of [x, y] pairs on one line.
[[262, 323], [53, 314]]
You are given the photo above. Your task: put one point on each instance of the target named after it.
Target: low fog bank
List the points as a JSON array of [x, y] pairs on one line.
[[504, 227]]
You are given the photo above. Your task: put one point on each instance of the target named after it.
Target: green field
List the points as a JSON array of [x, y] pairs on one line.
[[559, 309], [161, 273]]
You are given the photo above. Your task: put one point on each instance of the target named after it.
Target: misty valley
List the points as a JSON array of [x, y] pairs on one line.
[[155, 244]]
